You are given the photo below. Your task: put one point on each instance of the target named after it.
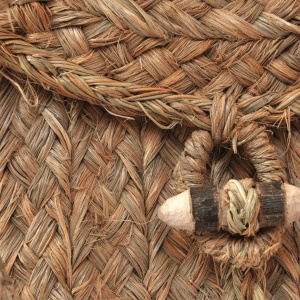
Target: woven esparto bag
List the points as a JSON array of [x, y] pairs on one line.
[[110, 107]]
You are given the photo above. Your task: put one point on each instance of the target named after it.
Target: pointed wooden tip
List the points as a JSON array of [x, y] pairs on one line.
[[292, 204], [177, 212]]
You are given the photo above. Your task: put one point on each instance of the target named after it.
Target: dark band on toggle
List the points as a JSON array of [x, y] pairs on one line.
[[206, 206]]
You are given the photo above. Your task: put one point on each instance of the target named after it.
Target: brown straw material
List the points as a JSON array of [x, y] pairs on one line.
[[88, 89], [7, 290]]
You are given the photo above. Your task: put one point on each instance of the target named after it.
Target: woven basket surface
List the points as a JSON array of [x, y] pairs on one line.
[[110, 107]]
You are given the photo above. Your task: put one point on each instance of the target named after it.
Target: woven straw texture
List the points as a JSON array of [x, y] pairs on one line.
[[110, 107]]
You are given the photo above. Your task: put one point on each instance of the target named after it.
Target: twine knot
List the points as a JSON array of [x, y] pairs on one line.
[[244, 205]]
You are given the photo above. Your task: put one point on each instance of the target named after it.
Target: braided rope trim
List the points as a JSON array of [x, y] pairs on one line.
[[174, 56], [165, 106]]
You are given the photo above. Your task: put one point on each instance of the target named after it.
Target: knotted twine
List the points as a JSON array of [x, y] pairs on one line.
[[244, 205]]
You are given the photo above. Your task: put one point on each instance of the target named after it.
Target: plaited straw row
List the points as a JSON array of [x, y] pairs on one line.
[[72, 215], [170, 58]]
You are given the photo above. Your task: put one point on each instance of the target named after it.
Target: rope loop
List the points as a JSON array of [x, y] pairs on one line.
[[223, 117], [243, 243]]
